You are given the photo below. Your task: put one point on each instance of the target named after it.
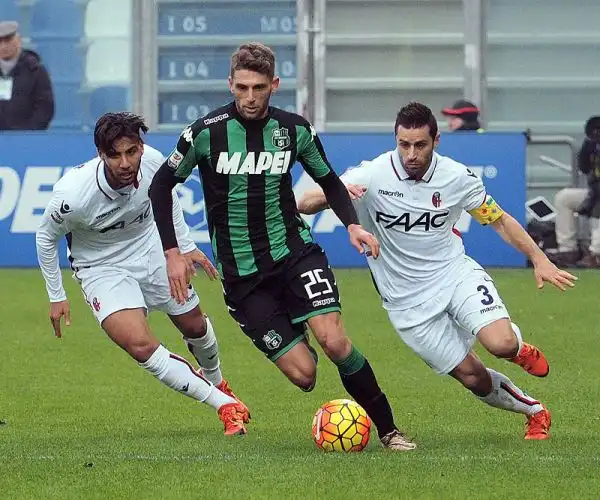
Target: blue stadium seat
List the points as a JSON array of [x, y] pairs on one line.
[[9, 11], [57, 18], [63, 57], [109, 98], [69, 103]]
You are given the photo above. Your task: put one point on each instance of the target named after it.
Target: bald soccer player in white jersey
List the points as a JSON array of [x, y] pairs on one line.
[[103, 209], [438, 299]]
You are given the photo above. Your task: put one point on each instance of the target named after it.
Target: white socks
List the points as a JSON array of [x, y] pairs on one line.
[[508, 396], [517, 331], [206, 351], [175, 372]]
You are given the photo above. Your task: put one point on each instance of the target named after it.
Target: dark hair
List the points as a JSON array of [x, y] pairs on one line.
[[416, 115], [111, 127], [254, 57]]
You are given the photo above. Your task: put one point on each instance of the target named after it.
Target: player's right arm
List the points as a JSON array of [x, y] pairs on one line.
[[176, 169], [57, 221]]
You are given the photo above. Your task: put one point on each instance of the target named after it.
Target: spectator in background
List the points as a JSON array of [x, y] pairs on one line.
[[26, 98], [581, 201], [463, 115]]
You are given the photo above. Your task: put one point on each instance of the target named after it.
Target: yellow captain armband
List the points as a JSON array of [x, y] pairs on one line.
[[488, 212]]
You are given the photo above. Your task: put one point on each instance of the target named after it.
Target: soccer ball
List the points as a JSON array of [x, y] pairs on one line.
[[341, 425]]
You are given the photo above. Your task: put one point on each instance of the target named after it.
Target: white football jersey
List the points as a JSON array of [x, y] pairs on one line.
[[414, 223], [103, 226]]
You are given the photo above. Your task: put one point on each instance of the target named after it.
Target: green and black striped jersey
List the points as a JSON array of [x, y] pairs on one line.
[[245, 168]]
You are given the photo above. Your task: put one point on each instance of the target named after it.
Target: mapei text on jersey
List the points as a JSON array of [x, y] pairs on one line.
[[276, 162]]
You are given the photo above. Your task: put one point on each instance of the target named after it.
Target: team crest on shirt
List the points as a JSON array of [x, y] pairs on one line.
[[281, 138], [436, 199]]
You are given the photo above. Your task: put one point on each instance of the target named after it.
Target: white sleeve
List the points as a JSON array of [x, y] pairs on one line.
[[473, 190], [360, 175], [182, 230], [57, 221]]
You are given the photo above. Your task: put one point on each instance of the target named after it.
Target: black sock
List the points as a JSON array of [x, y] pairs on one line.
[[360, 382]]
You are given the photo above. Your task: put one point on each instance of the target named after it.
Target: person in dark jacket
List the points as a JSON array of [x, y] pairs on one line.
[[462, 115], [26, 97], [585, 202]]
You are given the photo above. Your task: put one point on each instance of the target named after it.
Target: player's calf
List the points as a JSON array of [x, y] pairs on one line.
[[299, 366], [472, 374], [202, 343]]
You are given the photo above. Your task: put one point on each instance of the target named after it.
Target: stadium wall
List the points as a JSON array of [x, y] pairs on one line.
[[30, 163]]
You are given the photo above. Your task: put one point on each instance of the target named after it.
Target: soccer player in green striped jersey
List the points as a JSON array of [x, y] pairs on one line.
[[276, 279]]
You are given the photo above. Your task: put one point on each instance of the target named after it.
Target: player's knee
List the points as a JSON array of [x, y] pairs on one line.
[[329, 331], [505, 346], [141, 351], [500, 339], [337, 347], [192, 324]]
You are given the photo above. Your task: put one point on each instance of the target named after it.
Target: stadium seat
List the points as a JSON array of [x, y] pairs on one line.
[[105, 99], [69, 103], [63, 56], [9, 11], [101, 22], [57, 17], [102, 67]]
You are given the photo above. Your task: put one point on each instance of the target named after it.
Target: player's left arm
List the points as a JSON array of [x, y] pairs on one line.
[[484, 209], [313, 159], [515, 235]]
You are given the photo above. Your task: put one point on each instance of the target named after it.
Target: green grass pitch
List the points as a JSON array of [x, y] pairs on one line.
[[81, 420]]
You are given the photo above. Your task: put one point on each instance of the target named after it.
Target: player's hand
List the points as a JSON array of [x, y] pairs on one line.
[[57, 311], [359, 238], [196, 258], [355, 191], [547, 271], [179, 274]]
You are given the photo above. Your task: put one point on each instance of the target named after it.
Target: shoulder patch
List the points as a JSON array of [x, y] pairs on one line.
[[188, 134]]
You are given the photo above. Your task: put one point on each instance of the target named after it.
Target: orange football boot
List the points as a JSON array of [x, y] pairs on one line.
[[224, 387], [234, 416], [538, 425], [532, 360]]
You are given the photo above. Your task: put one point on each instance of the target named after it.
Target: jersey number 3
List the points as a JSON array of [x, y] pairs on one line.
[[487, 298]]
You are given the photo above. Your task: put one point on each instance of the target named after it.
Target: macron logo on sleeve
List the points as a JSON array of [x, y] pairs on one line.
[[65, 208]]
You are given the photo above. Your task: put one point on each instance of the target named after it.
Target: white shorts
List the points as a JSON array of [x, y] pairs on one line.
[[139, 283], [443, 330]]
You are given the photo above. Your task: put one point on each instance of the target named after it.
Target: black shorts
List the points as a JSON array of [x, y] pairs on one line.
[[272, 308]]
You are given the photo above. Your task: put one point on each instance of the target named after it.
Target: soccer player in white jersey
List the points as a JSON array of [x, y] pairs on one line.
[[438, 299], [116, 254]]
